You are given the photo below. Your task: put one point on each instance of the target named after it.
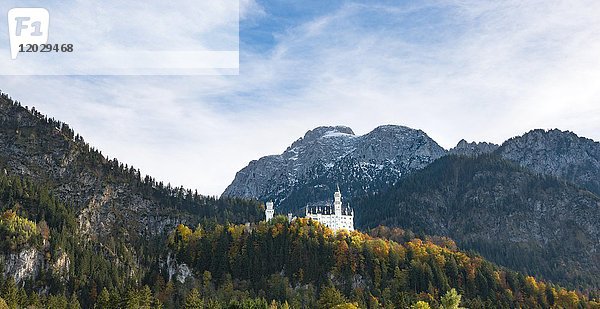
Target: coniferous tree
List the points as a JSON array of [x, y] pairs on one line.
[[451, 300], [104, 299], [420, 305], [330, 298]]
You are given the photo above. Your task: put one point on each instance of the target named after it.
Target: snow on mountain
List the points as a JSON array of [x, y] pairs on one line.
[[329, 155]]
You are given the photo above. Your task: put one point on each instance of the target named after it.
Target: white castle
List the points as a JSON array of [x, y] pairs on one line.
[[333, 216]]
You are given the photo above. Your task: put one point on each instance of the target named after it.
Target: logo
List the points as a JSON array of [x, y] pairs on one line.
[[27, 26]]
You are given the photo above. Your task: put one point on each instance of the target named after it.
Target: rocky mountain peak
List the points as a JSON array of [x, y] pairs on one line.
[[465, 148], [333, 154], [559, 153], [327, 131], [393, 129], [545, 139]]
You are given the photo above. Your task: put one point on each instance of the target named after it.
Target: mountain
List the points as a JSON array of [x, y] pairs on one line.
[[465, 148], [517, 218], [310, 169], [559, 153], [80, 230], [109, 197], [530, 204], [65, 207]]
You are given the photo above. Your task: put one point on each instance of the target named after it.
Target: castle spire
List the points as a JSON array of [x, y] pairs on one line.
[[269, 211], [337, 202]]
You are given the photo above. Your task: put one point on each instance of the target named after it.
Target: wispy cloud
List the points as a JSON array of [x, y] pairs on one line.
[[456, 69]]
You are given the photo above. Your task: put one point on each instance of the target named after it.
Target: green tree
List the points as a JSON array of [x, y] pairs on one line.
[[193, 300], [11, 293], [104, 299], [330, 297], [3, 304], [57, 302], [420, 305], [347, 306], [74, 302], [145, 297], [451, 300], [133, 299]]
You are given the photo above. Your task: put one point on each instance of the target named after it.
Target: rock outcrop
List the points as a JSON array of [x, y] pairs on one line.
[[559, 153]]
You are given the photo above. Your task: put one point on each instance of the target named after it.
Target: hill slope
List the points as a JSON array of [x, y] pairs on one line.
[[516, 218], [107, 195], [307, 265]]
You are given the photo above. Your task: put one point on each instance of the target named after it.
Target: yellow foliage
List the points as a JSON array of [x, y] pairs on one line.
[[276, 230], [357, 240], [529, 280], [567, 299], [184, 232], [420, 305], [439, 259], [417, 247], [347, 306], [380, 248], [236, 231]]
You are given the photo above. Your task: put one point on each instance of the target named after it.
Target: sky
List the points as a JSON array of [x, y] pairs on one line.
[[456, 69]]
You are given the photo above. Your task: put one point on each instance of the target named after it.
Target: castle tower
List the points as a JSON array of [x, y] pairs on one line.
[[337, 202], [269, 211]]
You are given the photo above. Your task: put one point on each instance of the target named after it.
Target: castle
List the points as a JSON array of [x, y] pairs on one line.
[[334, 216]]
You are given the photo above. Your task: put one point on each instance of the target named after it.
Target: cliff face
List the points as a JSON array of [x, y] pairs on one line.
[[22, 265], [464, 148], [559, 153], [310, 168]]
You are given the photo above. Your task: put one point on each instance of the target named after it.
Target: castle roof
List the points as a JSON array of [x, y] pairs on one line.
[[326, 208]]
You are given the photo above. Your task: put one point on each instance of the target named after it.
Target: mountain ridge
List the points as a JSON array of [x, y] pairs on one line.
[[251, 181], [530, 222], [50, 152], [386, 154], [559, 153]]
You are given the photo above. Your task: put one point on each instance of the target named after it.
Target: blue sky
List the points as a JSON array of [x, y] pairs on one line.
[[479, 70]]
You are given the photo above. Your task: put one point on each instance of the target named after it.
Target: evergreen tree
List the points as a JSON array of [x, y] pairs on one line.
[[104, 299], [451, 300], [10, 293], [193, 300], [145, 297], [74, 302], [421, 305], [132, 301], [330, 297]]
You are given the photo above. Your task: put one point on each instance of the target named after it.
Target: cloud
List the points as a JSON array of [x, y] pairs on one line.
[[483, 71]]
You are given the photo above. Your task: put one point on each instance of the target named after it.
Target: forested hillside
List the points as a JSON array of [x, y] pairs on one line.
[[305, 265], [537, 224], [47, 261], [302, 264], [75, 222], [104, 192], [78, 229]]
